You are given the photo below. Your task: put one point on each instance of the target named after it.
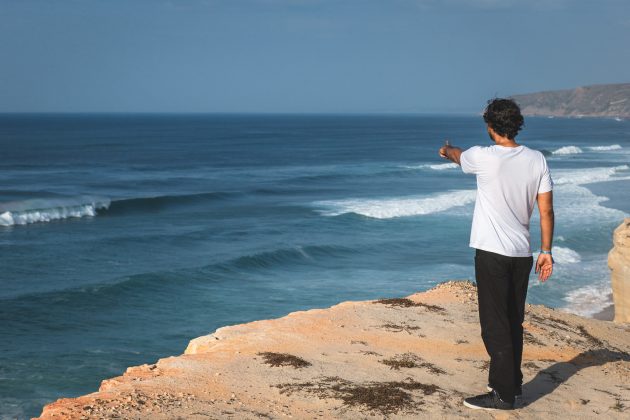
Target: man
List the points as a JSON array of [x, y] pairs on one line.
[[510, 179]]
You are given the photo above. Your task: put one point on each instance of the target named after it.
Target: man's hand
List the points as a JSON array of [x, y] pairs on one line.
[[451, 153], [544, 267]]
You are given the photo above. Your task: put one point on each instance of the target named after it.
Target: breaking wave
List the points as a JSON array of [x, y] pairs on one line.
[[605, 148], [567, 150], [589, 175], [563, 255], [435, 167], [37, 210], [578, 206], [387, 208], [45, 210], [591, 299]]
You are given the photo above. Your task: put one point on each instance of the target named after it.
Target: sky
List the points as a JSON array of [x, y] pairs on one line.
[[302, 56]]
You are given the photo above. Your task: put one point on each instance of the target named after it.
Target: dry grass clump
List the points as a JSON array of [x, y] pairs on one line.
[[283, 359], [406, 303], [410, 360], [384, 397]]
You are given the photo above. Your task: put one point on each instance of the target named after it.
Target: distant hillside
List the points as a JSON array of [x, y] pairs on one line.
[[587, 101]]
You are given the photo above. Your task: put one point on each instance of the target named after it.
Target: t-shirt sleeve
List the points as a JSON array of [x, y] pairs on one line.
[[469, 160], [546, 183]]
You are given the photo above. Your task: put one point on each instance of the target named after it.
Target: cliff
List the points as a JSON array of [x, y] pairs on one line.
[[413, 357], [588, 101], [619, 263]]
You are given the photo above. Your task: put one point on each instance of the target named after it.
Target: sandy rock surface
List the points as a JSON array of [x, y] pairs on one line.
[[413, 357], [619, 263]]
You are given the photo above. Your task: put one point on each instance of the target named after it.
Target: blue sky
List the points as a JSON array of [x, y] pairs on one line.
[[331, 56]]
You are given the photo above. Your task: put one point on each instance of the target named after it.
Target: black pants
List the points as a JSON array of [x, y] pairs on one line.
[[501, 289]]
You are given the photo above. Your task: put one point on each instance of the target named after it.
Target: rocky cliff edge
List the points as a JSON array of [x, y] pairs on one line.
[[412, 357]]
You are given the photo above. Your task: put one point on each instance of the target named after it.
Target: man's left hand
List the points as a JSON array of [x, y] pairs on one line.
[[544, 267]]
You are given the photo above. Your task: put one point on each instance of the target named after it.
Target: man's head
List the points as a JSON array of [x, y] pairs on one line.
[[504, 117]]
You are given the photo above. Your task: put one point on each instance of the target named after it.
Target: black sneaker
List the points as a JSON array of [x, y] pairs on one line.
[[518, 397], [489, 401], [519, 391]]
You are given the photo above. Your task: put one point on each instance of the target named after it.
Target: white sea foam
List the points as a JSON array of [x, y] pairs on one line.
[[590, 175], [590, 299], [563, 255], [44, 210], [578, 206], [435, 167], [574, 200], [605, 148], [442, 166], [386, 208], [568, 150]]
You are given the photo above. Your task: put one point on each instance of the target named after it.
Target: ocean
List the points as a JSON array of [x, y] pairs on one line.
[[122, 237]]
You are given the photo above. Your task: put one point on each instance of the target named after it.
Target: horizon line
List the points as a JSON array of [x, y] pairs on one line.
[[358, 113]]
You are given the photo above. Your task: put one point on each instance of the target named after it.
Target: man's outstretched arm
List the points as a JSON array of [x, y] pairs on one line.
[[451, 153], [544, 264]]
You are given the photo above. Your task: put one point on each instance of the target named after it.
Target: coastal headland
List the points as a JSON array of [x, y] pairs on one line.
[[609, 101], [398, 358]]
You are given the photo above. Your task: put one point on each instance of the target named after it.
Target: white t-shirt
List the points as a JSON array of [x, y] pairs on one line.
[[508, 181]]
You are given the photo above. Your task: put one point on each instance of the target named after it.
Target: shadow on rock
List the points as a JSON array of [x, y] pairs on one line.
[[547, 380]]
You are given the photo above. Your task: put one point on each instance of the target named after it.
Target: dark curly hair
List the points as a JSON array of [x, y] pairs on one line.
[[504, 117]]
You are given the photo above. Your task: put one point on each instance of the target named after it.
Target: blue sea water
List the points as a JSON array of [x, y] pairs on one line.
[[122, 237]]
